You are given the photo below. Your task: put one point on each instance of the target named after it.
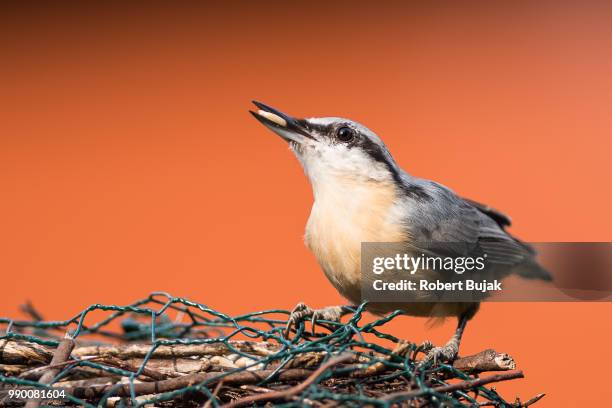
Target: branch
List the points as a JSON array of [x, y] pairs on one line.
[[487, 360], [24, 353], [463, 385], [180, 350], [178, 359]]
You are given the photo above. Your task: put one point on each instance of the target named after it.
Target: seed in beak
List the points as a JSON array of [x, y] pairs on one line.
[[272, 117]]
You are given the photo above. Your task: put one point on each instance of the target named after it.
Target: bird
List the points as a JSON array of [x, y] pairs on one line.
[[362, 195]]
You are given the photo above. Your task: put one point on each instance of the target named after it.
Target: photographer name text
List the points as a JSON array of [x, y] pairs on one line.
[[438, 285]]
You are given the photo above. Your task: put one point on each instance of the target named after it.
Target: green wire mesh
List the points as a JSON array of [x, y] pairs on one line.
[[161, 319]]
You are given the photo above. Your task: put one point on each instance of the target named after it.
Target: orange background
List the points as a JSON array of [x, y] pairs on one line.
[[129, 163]]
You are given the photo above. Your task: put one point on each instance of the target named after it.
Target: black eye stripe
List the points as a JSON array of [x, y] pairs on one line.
[[322, 129], [374, 151], [377, 152]]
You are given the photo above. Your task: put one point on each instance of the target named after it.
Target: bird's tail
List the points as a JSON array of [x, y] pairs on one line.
[[531, 269]]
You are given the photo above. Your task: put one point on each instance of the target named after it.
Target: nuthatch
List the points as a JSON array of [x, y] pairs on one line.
[[362, 195]]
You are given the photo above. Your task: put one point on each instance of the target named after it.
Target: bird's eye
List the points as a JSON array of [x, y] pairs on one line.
[[345, 134]]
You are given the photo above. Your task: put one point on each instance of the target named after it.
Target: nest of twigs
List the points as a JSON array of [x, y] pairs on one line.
[[201, 363]]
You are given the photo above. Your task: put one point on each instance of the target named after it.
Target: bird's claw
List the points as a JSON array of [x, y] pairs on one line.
[[301, 311], [446, 354], [425, 346]]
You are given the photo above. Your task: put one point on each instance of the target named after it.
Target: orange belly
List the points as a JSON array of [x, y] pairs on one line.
[[342, 218]]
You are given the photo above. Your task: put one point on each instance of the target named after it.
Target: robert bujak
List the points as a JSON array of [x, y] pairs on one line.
[[438, 285]]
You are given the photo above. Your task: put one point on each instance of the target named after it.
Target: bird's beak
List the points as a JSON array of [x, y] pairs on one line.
[[287, 127]]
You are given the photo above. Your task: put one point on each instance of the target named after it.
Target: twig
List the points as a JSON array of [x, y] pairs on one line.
[[463, 385], [87, 382], [29, 309], [255, 388], [530, 401], [129, 366], [214, 395], [285, 394], [12, 369], [32, 373], [62, 353], [379, 367]]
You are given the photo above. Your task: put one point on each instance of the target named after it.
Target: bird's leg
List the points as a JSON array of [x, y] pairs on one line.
[[450, 350], [301, 311]]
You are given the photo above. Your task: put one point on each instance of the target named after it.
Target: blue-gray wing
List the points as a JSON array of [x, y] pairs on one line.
[[503, 220], [444, 224]]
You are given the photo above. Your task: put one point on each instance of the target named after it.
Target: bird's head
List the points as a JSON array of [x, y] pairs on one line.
[[332, 149]]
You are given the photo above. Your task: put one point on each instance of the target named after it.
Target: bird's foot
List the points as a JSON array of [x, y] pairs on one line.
[[301, 312], [447, 353]]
